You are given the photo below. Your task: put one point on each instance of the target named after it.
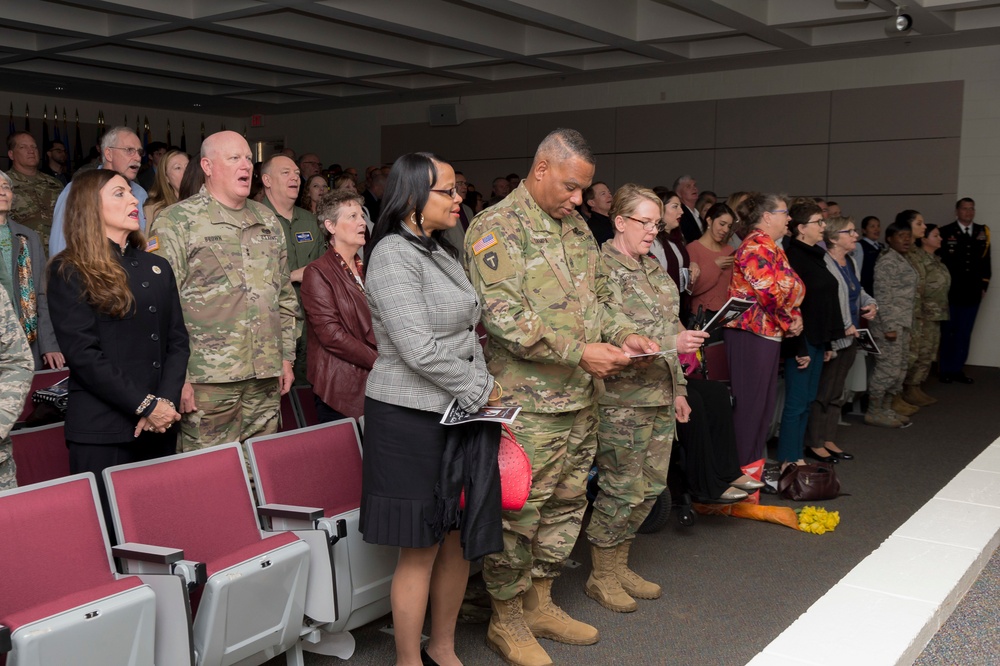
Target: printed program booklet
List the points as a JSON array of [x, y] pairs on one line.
[[867, 342], [455, 414], [733, 308]]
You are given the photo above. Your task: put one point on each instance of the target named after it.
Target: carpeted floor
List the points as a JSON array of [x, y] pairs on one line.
[[731, 585]]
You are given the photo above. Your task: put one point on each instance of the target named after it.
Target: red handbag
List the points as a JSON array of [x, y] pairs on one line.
[[515, 473]]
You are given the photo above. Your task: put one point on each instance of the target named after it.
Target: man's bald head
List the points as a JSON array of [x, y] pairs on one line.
[[228, 165]]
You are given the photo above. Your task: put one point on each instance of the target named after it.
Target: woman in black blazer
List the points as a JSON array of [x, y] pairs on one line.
[[118, 321]]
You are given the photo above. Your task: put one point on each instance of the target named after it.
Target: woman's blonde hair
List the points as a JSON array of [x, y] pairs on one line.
[[161, 194], [627, 200], [88, 250]]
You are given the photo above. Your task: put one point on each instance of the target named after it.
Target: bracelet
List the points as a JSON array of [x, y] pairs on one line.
[[499, 390], [171, 404], [145, 404]]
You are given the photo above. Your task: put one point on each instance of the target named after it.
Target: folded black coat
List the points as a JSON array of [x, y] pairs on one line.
[[469, 462]]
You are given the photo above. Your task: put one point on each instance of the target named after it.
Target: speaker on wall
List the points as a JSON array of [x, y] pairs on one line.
[[443, 115]]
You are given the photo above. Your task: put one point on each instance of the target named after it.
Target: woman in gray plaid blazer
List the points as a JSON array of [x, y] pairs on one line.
[[424, 315]]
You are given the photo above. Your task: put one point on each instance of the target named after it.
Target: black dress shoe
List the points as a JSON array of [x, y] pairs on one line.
[[815, 456], [843, 455], [962, 379], [945, 379], [426, 659]]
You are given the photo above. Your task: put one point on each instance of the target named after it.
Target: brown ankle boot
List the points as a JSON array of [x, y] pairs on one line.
[[929, 399], [902, 407], [912, 395], [509, 636], [631, 582], [546, 620], [603, 585]]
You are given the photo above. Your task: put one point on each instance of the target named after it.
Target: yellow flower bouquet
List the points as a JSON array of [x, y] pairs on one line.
[[817, 520]]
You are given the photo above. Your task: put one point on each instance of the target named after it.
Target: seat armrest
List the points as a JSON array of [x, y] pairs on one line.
[[140, 558], [285, 517], [5, 644], [336, 529]]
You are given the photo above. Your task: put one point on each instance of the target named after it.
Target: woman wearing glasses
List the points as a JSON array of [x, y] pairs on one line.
[[822, 323], [424, 314], [855, 303], [762, 274]]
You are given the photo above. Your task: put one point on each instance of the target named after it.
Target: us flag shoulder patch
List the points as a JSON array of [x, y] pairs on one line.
[[484, 243], [153, 244]]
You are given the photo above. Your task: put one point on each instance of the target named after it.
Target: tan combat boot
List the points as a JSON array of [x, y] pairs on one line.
[[878, 416], [900, 406], [508, 635], [546, 620], [929, 399], [631, 582], [887, 407], [603, 585], [913, 395]]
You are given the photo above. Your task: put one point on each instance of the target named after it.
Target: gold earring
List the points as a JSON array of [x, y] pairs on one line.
[[413, 218]]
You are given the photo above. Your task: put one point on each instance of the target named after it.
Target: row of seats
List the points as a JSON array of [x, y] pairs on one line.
[[206, 576]]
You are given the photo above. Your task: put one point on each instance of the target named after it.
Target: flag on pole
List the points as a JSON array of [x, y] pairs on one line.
[[56, 136], [169, 140], [27, 119], [45, 130], [184, 141], [10, 120], [78, 154]]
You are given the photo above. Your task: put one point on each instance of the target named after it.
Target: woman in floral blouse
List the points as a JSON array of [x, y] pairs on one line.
[[761, 273]]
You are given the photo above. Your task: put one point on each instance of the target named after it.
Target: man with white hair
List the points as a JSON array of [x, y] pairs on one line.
[[230, 260], [692, 226], [121, 151]]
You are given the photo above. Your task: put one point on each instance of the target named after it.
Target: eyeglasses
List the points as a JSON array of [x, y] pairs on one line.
[[853, 232], [783, 211], [648, 226], [820, 222], [131, 152], [451, 193]]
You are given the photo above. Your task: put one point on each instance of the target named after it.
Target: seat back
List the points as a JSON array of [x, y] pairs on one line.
[[41, 379], [306, 403], [321, 466], [40, 454], [198, 501], [61, 597], [289, 415]]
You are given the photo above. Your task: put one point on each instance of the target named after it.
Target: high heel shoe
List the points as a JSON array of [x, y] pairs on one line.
[[844, 455], [747, 483], [815, 456], [426, 659]]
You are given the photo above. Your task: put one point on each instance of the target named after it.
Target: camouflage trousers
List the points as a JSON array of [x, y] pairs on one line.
[[8, 470], [890, 365], [923, 350], [538, 538], [633, 454], [231, 412]]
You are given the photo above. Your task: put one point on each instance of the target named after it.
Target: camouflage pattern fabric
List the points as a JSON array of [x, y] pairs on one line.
[[633, 454], [542, 301], [924, 346], [895, 290], [538, 538], [232, 412], [16, 369], [34, 201], [232, 273]]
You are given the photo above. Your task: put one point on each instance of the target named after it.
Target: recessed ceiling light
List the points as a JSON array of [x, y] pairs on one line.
[[60, 88], [196, 105]]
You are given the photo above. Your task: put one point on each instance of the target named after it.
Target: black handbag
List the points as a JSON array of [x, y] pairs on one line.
[[808, 483]]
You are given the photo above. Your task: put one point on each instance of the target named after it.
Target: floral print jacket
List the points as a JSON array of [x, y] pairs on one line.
[[761, 273]]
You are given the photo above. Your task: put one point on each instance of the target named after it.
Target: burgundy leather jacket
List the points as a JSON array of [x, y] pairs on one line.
[[341, 344]]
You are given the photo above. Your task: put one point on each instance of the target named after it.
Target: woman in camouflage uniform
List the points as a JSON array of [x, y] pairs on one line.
[[936, 281], [640, 404], [920, 261]]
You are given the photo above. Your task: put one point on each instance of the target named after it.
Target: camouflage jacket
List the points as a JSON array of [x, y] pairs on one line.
[[16, 366], [920, 261], [895, 291], [34, 201], [642, 291], [232, 274], [543, 302], [938, 282]]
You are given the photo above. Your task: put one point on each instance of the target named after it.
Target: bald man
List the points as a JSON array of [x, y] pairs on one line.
[[231, 263]]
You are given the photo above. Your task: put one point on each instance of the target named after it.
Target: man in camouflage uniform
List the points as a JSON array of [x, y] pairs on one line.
[[231, 264], [533, 262], [303, 237], [35, 193], [895, 291], [16, 366]]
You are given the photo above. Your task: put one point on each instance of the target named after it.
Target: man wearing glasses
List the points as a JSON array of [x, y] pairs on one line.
[[121, 151]]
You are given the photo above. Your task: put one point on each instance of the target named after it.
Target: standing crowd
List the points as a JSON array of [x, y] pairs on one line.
[[185, 313]]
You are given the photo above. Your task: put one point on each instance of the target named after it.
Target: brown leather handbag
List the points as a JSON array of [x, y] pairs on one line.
[[808, 483]]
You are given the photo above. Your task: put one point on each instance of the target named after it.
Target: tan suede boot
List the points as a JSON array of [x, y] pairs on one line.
[[546, 620], [631, 582], [509, 636], [877, 415], [887, 406], [913, 395], [900, 406], [929, 399], [603, 585]]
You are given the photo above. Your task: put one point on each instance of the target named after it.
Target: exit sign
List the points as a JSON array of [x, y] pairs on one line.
[[256, 120]]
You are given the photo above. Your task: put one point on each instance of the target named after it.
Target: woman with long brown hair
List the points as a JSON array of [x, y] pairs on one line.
[[120, 327], [166, 188]]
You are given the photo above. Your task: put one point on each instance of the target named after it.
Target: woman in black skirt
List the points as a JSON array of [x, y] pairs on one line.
[[424, 315]]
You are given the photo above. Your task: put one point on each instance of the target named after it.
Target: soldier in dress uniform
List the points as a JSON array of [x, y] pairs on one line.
[[16, 367], [231, 263], [965, 250], [534, 264]]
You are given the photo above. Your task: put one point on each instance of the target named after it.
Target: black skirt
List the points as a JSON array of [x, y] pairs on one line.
[[402, 464]]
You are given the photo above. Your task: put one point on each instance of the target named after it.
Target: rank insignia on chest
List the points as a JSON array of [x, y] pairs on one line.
[[304, 237], [485, 243], [491, 260], [153, 244]]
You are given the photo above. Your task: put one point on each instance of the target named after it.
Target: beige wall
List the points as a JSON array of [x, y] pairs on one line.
[[354, 136]]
